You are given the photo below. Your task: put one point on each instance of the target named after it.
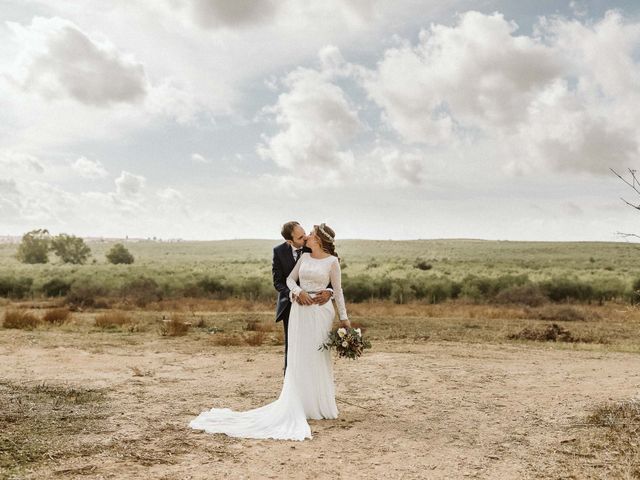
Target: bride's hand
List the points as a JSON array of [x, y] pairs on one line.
[[304, 298], [345, 323]]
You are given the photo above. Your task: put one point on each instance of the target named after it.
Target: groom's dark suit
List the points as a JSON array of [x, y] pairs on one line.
[[283, 263]]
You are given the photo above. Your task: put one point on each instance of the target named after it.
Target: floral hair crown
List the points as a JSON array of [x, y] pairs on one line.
[[329, 237]]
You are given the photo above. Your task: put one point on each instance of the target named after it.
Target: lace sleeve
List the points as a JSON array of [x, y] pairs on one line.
[[292, 279], [336, 283]]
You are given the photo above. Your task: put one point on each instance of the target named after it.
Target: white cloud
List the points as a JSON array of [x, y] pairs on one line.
[[196, 157], [89, 168], [316, 123], [468, 96], [474, 73], [578, 8], [560, 99], [60, 60], [601, 55], [129, 185], [9, 200], [237, 13], [406, 166], [245, 14], [181, 103], [20, 163], [170, 194]]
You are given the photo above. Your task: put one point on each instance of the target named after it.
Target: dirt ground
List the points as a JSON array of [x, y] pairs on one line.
[[408, 410]]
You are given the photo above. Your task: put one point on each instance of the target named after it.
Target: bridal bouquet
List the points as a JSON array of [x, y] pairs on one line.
[[348, 342]]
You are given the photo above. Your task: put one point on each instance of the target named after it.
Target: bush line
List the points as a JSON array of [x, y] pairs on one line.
[[506, 289]]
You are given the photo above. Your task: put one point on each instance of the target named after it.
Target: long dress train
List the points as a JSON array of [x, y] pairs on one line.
[[308, 391]]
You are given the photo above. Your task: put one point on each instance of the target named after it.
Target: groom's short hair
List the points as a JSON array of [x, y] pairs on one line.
[[287, 230]]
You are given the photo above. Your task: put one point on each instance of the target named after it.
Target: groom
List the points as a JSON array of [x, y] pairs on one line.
[[285, 257]]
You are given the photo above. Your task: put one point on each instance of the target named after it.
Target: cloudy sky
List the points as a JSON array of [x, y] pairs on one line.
[[212, 119]]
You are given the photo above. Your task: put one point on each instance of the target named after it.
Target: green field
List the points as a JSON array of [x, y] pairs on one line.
[[244, 266]]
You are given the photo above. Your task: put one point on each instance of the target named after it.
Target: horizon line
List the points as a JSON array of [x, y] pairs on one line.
[[17, 238]]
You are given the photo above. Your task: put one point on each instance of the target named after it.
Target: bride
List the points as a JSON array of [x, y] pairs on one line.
[[308, 390]]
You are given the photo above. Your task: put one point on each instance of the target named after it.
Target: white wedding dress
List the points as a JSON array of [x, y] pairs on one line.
[[308, 390]]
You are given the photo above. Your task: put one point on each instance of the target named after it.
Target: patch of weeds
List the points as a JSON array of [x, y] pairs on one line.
[[112, 320], [255, 339], [57, 316], [256, 325], [20, 319], [562, 313], [175, 327], [550, 333], [41, 422], [140, 372], [226, 340], [608, 447]]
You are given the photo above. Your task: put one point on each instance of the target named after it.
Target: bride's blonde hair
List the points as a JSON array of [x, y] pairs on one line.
[[327, 238]]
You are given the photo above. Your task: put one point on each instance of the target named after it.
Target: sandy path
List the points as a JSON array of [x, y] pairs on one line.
[[428, 410]]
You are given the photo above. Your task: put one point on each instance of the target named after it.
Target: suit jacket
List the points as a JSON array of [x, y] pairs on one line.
[[281, 267]]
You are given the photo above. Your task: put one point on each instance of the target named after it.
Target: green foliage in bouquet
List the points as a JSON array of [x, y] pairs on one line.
[[348, 342]]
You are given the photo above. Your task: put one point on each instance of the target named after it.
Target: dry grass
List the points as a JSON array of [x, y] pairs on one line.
[[113, 319], [264, 310], [57, 316], [140, 372], [529, 295], [21, 319], [256, 325], [623, 417], [226, 340], [564, 313], [278, 338], [255, 339], [621, 422], [231, 305], [361, 325], [610, 327], [606, 445], [174, 327], [42, 422], [552, 333]]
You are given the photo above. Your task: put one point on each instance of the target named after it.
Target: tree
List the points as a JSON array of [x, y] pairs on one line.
[[119, 254], [34, 247], [70, 249], [634, 183]]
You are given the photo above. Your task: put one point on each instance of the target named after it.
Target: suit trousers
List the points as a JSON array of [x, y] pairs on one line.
[[285, 324]]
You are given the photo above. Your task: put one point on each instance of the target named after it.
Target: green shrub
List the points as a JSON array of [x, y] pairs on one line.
[[216, 287], [401, 291], [83, 294], [530, 295], [422, 265], [118, 254], [254, 288], [560, 289], [609, 289], [358, 289], [477, 288], [433, 289], [142, 290], [56, 287], [12, 287], [635, 291]]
